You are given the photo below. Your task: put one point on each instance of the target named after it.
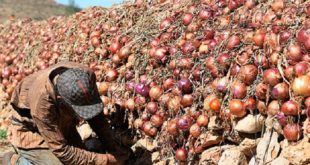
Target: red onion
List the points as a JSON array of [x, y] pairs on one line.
[[185, 86], [184, 123], [142, 89], [272, 76], [290, 108], [281, 119], [187, 19], [280, 91]]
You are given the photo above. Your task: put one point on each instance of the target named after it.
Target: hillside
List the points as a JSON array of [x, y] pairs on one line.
[[35, 9]]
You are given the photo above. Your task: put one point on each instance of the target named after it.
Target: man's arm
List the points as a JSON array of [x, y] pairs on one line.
[[45, 117], [102, 128]]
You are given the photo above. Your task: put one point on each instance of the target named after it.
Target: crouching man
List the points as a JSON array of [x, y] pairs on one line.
[[47, 107]]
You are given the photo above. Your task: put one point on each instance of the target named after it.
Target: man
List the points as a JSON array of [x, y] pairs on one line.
[[47, 107]]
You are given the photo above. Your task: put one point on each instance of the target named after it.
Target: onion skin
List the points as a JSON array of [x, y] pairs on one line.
[[300, 85]]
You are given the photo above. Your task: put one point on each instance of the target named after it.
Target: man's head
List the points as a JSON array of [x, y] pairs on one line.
[[78, 90]]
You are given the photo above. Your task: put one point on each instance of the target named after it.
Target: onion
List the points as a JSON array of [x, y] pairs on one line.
[[160, 54], [187, 19], [215, 105], [206, 102], [221, 84], [181, 155], [209, 34], [307, 102], [237, 108], [124, 52], [205, 14], [142, 89], [294, 52], [233, 42], [138, 123], [307, 44], [223, 60], [301, 85], [292, 132], [111, 75], [115, 47], [301, 68], [277, 5], [272, 76], [195, 130], [259, 38], [103, 88], [187, 100], [290, 108], [165, 23], [280, 91], [130, 104], [185, 85], [146, 127], [281, 119], [238, 90], [247, 74], [155, 92], [250, 103], [289, 72], [168, 83], [174, 104], [157, 120], [284, 36], [6, 72], [172, 127], [273, 108], [184, 123], [202, 120], [302, 35], [188, 48], [152, 107]]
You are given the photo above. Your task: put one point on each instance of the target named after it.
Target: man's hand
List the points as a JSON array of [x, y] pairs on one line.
[[117, 160]]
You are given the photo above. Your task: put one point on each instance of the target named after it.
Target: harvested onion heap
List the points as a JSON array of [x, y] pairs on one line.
[[203, 59]]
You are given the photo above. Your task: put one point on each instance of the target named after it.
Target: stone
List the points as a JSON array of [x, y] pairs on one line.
[[250, 124], [209, 139], [268, 148], [212, 155], [280, 161], [248, 146], [145, 143], [233, 156], [214, 123], [297, 154]]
